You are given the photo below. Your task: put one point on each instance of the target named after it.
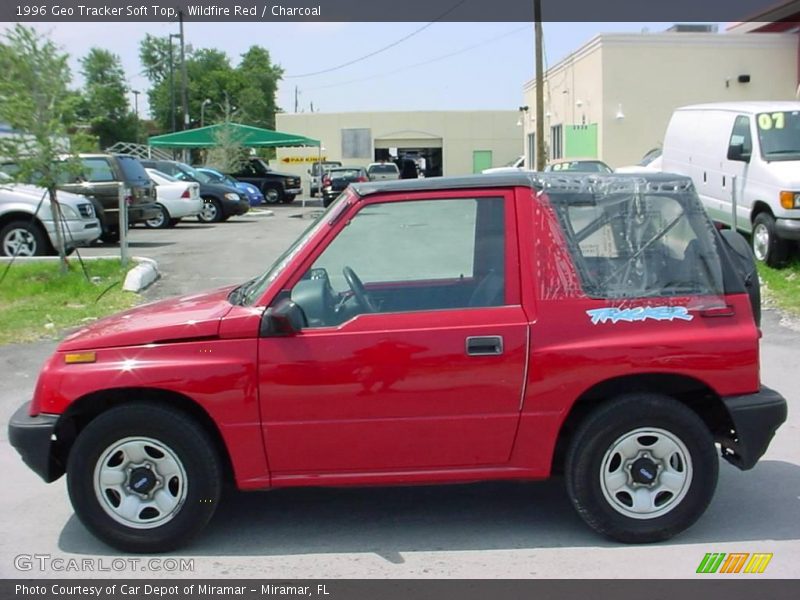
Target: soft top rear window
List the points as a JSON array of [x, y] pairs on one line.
[[630, 238], [133, 170]]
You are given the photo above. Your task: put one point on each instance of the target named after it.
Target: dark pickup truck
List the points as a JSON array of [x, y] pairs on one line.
[[276, 187]]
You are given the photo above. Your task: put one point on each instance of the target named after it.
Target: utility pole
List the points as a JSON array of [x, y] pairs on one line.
[[136, 111], [295, 98], [172, 82], [184, 78], [537, 17]]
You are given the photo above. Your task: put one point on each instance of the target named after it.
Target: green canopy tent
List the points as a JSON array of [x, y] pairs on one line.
[[246, 135]]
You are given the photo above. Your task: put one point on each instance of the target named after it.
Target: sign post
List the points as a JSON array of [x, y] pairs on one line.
[[123, 224]]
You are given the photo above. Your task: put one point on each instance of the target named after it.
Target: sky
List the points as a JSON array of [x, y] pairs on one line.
[[446, 66]]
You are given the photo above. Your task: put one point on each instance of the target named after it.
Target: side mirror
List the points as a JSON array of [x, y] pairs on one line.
[[737, 152], [282, 320]]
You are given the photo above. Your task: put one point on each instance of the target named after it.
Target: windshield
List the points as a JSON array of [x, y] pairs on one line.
[[383, 168], [779, 135], [188, 173], [254, 289]]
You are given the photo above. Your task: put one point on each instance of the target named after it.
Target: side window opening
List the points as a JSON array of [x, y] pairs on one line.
[[740, 135], [409, 256]]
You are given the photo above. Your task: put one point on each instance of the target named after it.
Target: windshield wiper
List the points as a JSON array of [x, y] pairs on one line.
[[238, 295]]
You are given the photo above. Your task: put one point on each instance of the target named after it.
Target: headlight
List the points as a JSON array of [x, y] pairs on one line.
[[790, 200], [69, 212], [231, 196]]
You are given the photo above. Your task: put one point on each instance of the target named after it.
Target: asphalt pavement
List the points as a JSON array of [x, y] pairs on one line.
[[496, 530]]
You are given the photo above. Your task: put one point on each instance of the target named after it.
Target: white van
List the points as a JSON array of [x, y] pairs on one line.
[[752, 150]]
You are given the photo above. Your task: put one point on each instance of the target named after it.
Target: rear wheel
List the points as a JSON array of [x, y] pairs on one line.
[[144, 478], [641, 468], [287, 198], [174, 222], [23, 238], [161, 221], [767, 246]]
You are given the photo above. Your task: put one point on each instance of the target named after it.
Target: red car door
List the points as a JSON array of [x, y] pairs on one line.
[[416, 344]]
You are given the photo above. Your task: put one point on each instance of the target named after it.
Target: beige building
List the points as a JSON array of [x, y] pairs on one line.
[[441, 142], [613, 97]]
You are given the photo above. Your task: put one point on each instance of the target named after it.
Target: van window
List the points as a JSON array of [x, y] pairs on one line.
[[779, 134], [741, 134], [97, 170]]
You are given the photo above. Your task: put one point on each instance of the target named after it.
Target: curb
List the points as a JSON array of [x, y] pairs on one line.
[[259, 213], [138, 278]]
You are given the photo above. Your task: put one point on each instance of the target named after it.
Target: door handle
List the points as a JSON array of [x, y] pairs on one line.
[[490, 345]]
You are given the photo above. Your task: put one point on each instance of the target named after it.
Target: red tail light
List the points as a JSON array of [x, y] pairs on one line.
[[326, 181], [362, 179], [186, 193]]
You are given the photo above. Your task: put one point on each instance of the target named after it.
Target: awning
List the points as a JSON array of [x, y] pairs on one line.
[[246, 135]]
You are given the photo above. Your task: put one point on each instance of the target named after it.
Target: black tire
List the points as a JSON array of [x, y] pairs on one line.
[[273, 195], [288, 198], [767, 246], [212, 211], [110, 236], [173, 222], [162, 221], [745, 263], [193, 491], [23, 238], [594, 461]]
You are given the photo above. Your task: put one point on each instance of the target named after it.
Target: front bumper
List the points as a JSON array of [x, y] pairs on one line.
[[788, 229], [77, 232], [296, 191], [755, 419], [235, 207], [33, 439]]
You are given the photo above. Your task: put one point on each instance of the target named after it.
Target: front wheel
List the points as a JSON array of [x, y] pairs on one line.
[[212, 211], [272, 195], [767, 246], [22, 238], [144, 478], [287, 198], [642, 468]]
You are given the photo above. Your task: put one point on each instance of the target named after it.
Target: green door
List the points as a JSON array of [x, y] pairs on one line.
[[481, 159]]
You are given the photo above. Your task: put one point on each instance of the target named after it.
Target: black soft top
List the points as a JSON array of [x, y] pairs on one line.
[[552, 182]]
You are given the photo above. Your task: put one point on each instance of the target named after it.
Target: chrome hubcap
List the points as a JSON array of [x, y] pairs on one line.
[[760, 241], [159, 220], [19, 242], [209, 212], [140, 482], [271, 196], [646, 473]]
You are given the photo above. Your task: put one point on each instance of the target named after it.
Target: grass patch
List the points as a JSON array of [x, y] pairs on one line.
[[36, 301], [783, 285]]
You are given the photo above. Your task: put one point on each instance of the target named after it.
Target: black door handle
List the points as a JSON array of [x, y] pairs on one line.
[[485, 345]]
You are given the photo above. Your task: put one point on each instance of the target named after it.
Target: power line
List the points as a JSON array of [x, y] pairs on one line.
[[422, 64], [371, 54]]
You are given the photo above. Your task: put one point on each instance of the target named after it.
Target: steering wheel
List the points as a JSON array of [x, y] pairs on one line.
[[359, 291]]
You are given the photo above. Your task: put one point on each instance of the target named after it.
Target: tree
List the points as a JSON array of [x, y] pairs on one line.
[[105, 103], [248, 89], [261, 77], [35, 101]]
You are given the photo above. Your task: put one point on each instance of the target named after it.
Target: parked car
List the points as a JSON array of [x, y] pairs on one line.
[[515, 165], [579, 166], [254, 195], [754, 147], [382, 171], [276, 187], [650, 163], [27, 227], [317, 169], [220, 202], [335, 180], [176, 200], [435, 330], [99, 178]]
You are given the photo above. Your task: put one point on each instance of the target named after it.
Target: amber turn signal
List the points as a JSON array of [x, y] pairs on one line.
[[74, 358]]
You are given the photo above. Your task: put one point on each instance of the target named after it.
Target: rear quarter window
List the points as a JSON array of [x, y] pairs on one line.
[[132, 170]]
